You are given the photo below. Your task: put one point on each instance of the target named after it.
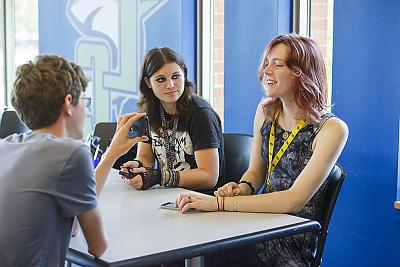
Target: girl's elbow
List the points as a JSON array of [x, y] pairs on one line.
[[98, 250], [212, 179], [294, 201], [295, 205], [294, 209], [212, 182]]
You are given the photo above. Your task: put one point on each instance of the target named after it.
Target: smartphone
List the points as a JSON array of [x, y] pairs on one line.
[[127, 175], [140, 128], [173, 206]]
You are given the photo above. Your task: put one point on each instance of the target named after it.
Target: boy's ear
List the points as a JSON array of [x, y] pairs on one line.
[[67, 106]]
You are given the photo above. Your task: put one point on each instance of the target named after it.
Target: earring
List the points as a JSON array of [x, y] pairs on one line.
[[297, 72]]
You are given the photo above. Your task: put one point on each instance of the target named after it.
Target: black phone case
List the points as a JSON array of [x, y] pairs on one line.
[[139, 128], [128, 175]]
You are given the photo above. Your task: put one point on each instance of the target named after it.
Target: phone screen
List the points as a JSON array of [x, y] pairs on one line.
[[139, 128], [172, 206], [169, 206]]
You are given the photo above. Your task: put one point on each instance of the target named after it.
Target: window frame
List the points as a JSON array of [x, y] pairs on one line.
[[205, 55], [3, 96], [7, 30], [302, 17]]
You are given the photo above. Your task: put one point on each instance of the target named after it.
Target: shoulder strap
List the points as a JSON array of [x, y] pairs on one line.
[[325, 117]]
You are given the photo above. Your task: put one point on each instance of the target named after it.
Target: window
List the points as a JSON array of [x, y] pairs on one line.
[[2, 58], [314, 18], [26, 31], [321, 30], [19, 39], [218, 58], [210, 72]]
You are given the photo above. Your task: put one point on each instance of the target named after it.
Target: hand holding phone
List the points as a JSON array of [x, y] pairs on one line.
[[140, 128]]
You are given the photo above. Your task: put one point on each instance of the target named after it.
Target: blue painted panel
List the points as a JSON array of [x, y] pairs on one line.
[[175, 27], [249, 26], [108, 39], [189, 37], [366, 92], [57, 28]]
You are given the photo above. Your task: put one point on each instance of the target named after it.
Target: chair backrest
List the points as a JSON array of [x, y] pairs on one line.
[[335, 181], [106, 130], [237, 150], [10, 124]]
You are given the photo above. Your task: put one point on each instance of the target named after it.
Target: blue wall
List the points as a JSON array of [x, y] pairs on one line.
[[249, 26], [366, 92]]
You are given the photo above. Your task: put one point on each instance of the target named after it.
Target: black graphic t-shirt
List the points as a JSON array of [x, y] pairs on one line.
[[198, 128]]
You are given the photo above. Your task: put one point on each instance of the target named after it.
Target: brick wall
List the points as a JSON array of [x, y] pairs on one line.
[[321, 32], [319, 23]]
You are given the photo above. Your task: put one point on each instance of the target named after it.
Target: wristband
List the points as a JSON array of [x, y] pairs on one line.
[[252, 190], [139, 163], [174, 178]]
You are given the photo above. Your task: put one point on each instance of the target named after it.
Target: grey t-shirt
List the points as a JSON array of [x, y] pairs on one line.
[[44, 182]]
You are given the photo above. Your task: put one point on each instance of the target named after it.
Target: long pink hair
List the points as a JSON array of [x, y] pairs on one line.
[[306, 61]]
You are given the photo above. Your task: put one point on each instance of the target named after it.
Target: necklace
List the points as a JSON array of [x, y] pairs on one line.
[[285, 135], [168, 122], [169, 142]]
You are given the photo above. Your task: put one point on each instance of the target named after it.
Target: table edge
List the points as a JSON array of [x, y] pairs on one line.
[[201, 249]]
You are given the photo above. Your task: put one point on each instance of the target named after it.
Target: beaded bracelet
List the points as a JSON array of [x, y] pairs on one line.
[[163, 178], [174, 178], [171, 178]]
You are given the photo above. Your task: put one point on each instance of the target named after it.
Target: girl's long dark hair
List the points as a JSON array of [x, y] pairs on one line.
[[154, 60]]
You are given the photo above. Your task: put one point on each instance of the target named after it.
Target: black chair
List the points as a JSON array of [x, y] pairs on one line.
[[237, 150], [10, 124], [335, 181], [106, 130]]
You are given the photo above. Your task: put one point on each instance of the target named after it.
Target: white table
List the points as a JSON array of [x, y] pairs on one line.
[[141, 233]]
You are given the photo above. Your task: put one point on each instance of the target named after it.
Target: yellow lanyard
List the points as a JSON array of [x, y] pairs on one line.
[[273, 163]]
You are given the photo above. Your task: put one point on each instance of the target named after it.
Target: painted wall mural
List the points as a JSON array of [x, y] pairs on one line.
[[108, 38]]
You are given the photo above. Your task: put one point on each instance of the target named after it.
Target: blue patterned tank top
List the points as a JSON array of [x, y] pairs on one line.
[[293, 161], [298, 250]]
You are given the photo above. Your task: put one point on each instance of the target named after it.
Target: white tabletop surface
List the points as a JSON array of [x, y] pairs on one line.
[[136, 226]]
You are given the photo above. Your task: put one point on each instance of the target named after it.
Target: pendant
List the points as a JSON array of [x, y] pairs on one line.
[[285, 135]]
